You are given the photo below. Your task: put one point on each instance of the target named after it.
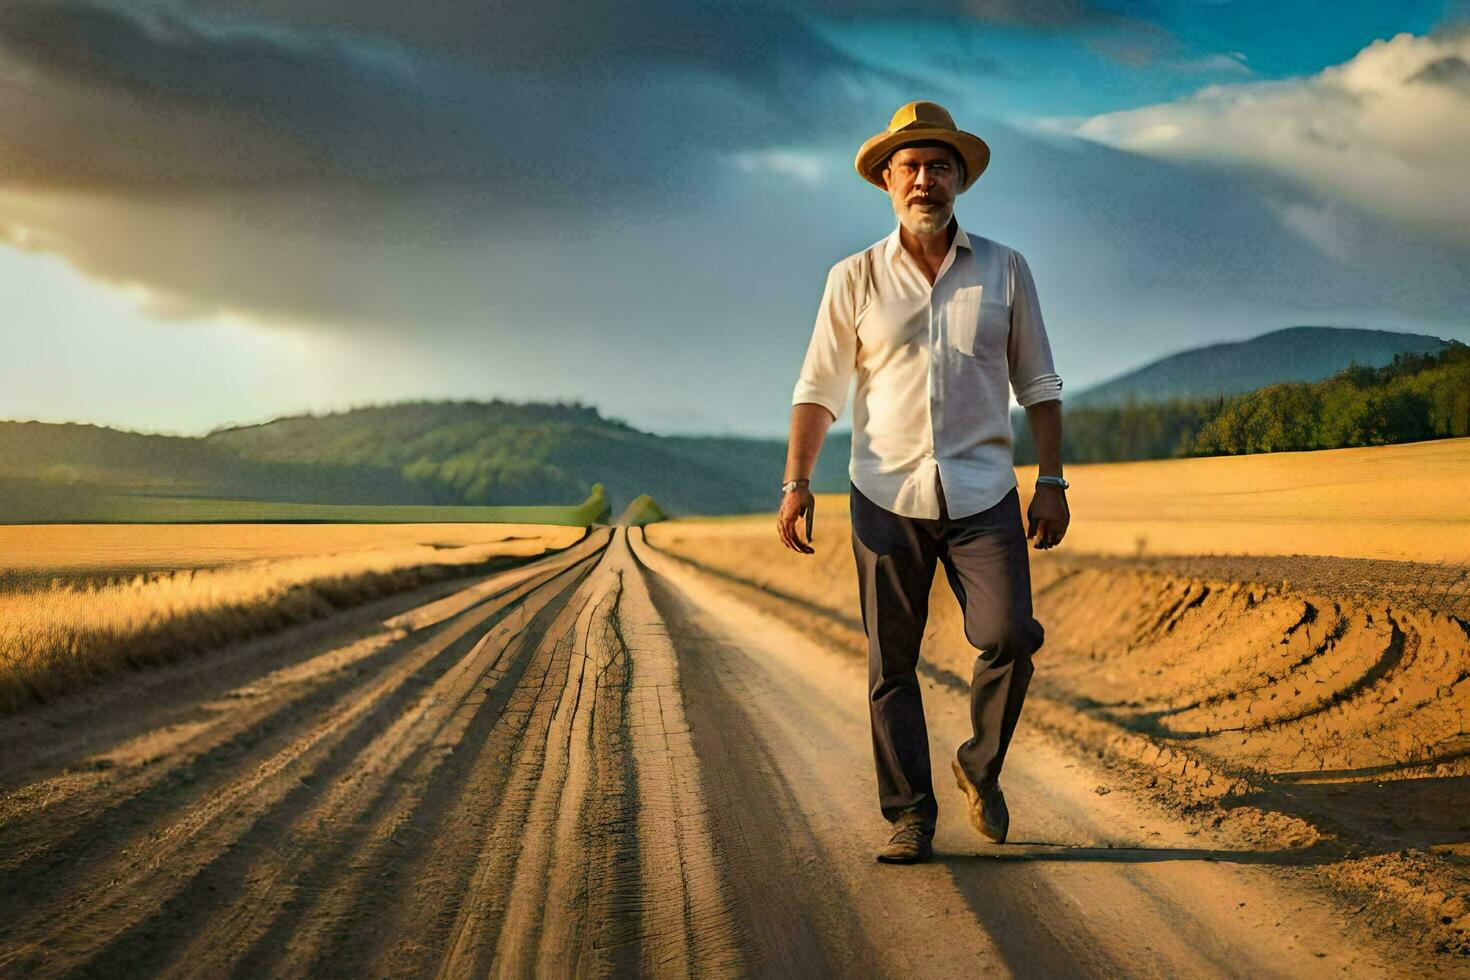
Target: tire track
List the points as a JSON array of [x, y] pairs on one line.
[[506, 783], [161, 768], [557, 887], [545, 923], [687, 928], [285, 897], [118, 891], [796, 921], [414, 936], [321, 937]]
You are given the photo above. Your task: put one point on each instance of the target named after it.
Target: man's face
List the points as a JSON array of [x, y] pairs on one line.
[[922, 182]]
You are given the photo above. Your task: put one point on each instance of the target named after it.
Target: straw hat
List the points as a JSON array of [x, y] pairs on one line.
[[912, 123]]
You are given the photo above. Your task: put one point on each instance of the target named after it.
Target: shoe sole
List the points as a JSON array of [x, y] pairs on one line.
[[913, 860], [972, 796]]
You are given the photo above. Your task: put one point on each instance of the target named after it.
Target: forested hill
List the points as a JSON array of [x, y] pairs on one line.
[[504, 452], [1289, 354], [77, 456], [427, 452], [1413, 397]]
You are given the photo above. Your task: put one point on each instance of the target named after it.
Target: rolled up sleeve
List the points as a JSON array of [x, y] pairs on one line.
[[1033, 375], [827, 370]]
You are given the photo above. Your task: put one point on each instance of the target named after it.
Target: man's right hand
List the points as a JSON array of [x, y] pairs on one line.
[[794, 506]]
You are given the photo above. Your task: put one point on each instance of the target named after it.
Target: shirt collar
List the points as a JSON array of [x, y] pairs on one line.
[[961, 240]]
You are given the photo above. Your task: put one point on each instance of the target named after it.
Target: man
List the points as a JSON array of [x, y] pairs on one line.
[[936, 324]]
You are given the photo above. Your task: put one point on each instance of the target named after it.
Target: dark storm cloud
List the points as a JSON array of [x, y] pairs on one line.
[[633, 97], [155, 96], [374, 163], [556, 36], [286, 160]]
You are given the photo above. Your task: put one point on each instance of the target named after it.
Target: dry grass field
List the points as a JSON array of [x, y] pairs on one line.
[[1406, 502], [86, 550], [80, 602]]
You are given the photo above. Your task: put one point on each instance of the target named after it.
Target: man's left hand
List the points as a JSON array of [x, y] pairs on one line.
[[1047, 517]]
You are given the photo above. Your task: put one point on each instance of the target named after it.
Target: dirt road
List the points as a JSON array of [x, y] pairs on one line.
[[601, 762]]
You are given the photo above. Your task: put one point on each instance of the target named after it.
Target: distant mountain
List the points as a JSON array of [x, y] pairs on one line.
[[1290, 354]]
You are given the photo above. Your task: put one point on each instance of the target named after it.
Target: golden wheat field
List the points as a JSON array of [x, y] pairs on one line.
[[83, 601], [66, 549], [1407, 502]]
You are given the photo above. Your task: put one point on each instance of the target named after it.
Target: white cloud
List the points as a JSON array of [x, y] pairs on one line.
[[802, 165], [1387, 131]]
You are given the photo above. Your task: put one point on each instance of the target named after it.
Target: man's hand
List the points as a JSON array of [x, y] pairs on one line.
[[1047, 517], [794, 505]]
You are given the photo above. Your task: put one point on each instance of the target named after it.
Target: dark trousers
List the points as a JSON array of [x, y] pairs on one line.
[[984, 556]]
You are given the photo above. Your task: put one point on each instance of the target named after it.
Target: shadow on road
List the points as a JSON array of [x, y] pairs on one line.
[[1024, 851]]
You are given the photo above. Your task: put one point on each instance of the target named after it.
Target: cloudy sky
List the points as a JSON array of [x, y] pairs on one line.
[[218, 211]]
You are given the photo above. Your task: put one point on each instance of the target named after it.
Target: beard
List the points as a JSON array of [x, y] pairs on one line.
[[924, 222]]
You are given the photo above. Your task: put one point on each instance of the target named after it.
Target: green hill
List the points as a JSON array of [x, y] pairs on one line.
[[1413, 397], [80, 456], [1290, 354], [643, 510], [459, 453], [504, 452]]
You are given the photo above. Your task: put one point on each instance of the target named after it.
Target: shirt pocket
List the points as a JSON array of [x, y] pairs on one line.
[[978, 325], [964, 318], [995, 328]]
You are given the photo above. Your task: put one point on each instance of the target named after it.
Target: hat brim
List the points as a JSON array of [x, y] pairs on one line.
[[971, 148]]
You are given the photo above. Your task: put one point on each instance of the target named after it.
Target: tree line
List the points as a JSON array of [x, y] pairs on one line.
[[1415, 397]]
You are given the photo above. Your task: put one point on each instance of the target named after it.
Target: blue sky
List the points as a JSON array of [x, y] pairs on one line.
[[216, 212]]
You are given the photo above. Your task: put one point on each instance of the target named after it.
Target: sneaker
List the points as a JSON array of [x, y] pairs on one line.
[[987, 806], [912, 840]]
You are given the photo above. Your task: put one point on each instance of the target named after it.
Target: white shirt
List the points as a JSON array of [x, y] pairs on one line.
[[934, 366]]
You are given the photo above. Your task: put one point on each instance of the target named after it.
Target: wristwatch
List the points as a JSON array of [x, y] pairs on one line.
[[1054, 480], [791, 485]]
